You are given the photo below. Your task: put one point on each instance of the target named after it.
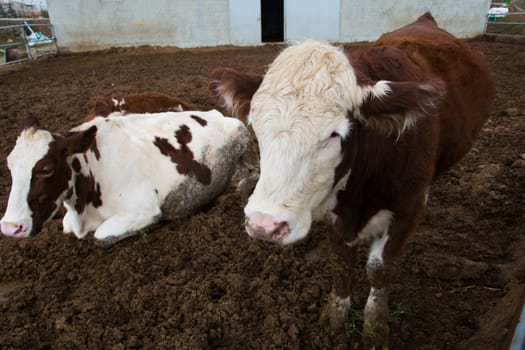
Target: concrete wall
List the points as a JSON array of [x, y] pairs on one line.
[[97, 24], [245, 22], [365, 20], [320, 19]]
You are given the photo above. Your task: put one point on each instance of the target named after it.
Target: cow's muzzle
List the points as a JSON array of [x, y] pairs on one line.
[[264, 227], [11, 229]]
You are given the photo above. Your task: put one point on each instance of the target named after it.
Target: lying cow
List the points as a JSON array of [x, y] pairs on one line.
[[357, 138], [145, 102], [117, 175]]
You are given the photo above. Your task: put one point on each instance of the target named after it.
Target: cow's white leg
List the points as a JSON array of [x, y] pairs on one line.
[[121, 226], [395, 229], [375, 326], [67, 225], [72, 223]]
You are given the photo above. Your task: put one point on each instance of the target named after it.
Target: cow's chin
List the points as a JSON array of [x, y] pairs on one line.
[[295, 236]]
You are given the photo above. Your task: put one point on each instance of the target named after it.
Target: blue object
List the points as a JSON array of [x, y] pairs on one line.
[[518, 340]]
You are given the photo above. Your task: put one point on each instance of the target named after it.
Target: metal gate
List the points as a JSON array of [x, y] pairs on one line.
[[506, 21], [25, 39]]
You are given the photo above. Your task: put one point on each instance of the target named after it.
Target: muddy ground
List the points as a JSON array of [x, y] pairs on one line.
[[202, 283]]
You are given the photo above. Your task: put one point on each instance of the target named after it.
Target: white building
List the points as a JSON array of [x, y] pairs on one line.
[[90, 24]]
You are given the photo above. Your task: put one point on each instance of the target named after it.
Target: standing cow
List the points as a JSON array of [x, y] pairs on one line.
[[357, 138], [117, 175]]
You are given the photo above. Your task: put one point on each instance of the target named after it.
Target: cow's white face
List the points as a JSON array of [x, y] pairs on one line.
[[299, 155], [40, 176], [31, 146], [300, 116]]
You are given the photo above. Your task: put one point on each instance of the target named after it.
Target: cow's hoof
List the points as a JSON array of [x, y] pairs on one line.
[[335, 312], [246, 186], [375, 336], [106, 242], [371, 344], [376, 330]]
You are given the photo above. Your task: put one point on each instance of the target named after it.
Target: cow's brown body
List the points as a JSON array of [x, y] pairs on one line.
[[145, 102], [439, 93], [422, 51], [399, 169]]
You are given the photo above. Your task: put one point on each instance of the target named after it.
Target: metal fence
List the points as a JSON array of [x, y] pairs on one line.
[[506, 24], [25, 39]]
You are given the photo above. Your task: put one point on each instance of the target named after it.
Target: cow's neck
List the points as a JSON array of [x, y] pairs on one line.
[[355, 203], [84, 189]]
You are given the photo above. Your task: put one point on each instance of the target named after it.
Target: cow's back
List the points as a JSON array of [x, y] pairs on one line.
[[434, 53]]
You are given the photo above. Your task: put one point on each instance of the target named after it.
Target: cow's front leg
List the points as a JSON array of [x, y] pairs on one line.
[[342, 260], [72, 223], [384, 249], [375, 326], [121, 226]]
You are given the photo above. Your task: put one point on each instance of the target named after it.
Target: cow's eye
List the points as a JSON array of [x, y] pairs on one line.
[[334, 137], [46, 171]]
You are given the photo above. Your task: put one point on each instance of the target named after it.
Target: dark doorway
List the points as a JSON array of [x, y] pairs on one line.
[[272, 20]]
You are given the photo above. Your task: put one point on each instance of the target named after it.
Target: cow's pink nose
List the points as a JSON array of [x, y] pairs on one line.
[[13, 230], [263, 226]]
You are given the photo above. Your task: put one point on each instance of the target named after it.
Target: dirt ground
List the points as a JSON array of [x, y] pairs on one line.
[[202, 283]]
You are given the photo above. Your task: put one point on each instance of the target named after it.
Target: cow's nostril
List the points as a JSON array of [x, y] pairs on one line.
[[280, 231]]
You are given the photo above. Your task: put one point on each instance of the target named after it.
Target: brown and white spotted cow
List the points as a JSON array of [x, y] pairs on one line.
[[144, 102], [357, 138], [117, 175]]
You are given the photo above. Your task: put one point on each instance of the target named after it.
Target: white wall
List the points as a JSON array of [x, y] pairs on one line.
[[245, 22], [94, 24], [317, 19], [365, 20], [97, 24]]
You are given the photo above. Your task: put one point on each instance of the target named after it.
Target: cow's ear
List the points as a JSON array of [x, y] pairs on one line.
[[80, 141], [30, 122], [393, 107], [233, 90]]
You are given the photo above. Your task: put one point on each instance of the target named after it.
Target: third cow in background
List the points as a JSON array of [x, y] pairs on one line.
[[144, 102]]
